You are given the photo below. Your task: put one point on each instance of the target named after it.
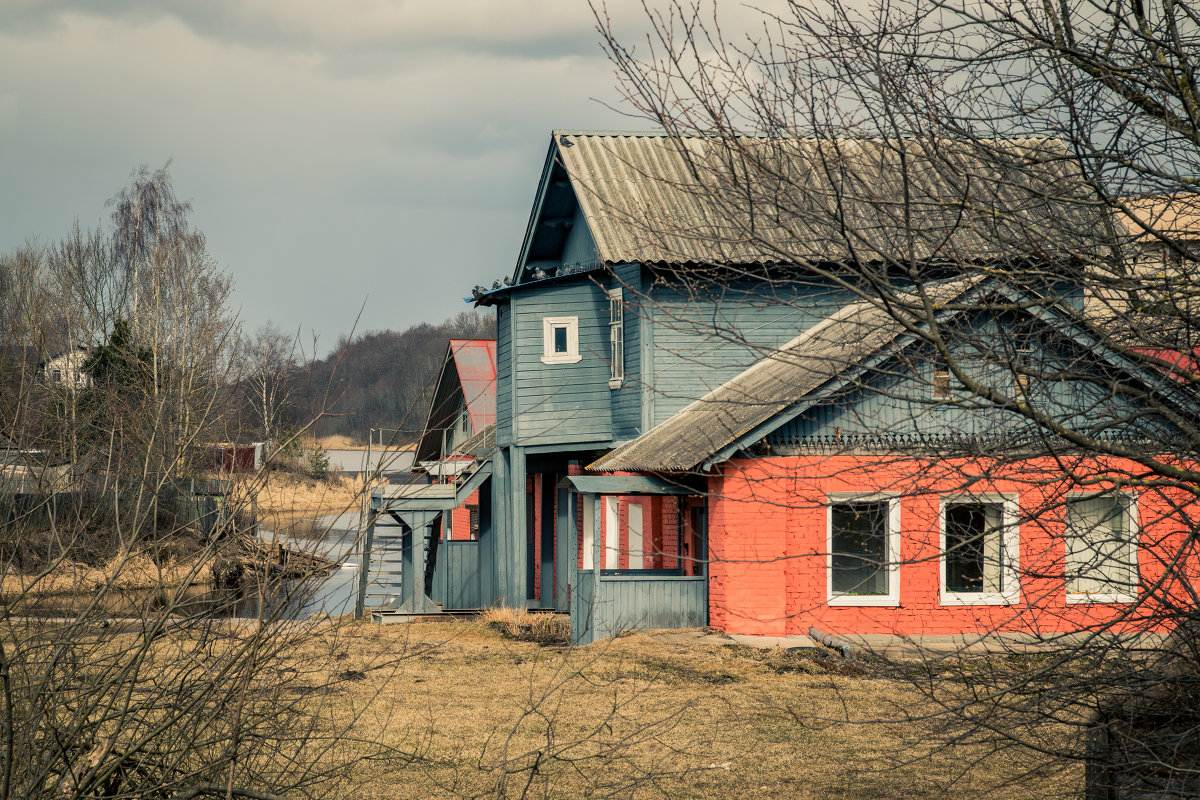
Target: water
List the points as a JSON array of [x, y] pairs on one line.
[[333, 537]]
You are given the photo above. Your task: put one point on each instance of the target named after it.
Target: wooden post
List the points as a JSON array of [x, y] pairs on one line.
[[364, 563]]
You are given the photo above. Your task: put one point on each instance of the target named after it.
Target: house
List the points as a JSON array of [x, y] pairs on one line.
[[463, 405], [66, 369], [691, 430]]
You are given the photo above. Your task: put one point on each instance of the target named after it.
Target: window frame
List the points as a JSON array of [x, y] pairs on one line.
[[571, 324], [892, 598], [1129, 502], [616, 338], [1010, 550]]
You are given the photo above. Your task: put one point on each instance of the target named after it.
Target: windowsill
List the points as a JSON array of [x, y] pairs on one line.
[[866, 600], [977, 599], [1074, 599], [562, 358], [616, 383]]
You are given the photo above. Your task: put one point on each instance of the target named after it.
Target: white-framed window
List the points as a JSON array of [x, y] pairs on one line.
[[588, 512], [1101, 548], [612, 532], [560, 340], [864, 549], [616, 338], [980, 543]]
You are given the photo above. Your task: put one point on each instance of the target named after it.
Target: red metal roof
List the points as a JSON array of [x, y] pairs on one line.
[[475, 360]]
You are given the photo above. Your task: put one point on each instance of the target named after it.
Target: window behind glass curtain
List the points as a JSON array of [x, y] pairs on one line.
[[859, 539]]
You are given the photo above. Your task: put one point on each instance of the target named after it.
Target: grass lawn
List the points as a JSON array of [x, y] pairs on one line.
[[467, 712]]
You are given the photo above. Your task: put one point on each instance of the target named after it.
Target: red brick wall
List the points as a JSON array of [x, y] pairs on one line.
[[768, 542], [460, 524], [659, 530]]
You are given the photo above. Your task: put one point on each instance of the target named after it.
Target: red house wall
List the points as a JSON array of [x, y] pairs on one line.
[[460, 525], [768, 543]]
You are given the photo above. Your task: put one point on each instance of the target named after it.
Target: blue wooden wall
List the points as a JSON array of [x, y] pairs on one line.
[[896, 397], [699, 337], [503, 374], [561, 403]]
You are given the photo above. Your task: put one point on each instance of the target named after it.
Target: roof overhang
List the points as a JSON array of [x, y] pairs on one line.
[[632, 484]]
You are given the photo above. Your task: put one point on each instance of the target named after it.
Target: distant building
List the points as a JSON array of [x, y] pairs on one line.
[[66, 369]]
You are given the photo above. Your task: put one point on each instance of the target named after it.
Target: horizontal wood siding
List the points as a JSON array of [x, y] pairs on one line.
[[627, 401], [629, 602], [703, 338], [503, 375], [456, 579], [896, 398], [559, 403]]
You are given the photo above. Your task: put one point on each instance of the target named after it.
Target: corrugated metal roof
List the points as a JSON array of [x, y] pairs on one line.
[[769, 387], [467, 377], [1170, 216], [475, 360], [756, 199]]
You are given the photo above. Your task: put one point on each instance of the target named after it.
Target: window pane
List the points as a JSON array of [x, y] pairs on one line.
[[860, 548], [973, 548], [1097, 545], [560, 338]]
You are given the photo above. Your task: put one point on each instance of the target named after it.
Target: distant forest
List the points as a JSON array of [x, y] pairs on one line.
[[382, 379]]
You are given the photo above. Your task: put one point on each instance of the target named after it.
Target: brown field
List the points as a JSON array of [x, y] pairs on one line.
[[641, 716]]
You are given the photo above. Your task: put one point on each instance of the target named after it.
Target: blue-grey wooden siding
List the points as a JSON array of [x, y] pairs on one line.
[[562, 403], [627, 400], [456, 578], [897, 398], [580, 247], [617, 603], [503, 374], [703, 336]]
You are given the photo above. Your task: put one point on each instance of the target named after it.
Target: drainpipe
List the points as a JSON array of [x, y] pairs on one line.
[[834, 642]]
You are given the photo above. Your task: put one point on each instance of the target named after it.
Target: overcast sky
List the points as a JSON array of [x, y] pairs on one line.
[[383, 151]]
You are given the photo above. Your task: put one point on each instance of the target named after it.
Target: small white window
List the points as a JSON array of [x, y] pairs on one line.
[[979, 546], [560, 342], [616, 339], [1101, 551], [864, 550]]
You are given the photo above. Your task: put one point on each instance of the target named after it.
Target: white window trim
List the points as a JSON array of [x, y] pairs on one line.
[[1130, 501], [892, 598], [1010, 552], [572, 326], [616, 338]]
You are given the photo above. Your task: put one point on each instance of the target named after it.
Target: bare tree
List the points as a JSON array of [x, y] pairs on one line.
[[964, 118], [267, 361]]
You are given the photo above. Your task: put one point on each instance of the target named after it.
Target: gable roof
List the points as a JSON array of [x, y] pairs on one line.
[[778, 382], [467, 379], [652, 198]]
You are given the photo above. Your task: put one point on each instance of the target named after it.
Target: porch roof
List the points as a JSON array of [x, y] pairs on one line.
[[628, 484]]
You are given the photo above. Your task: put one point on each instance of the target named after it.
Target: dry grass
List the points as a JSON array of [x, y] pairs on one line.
[[523, 626], [284, 496], [340, 442], [477, 713], [123, 573]]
